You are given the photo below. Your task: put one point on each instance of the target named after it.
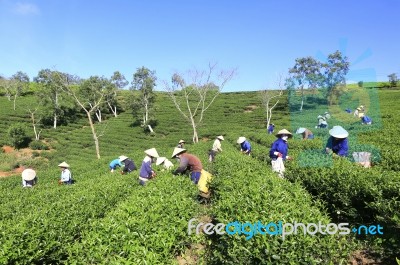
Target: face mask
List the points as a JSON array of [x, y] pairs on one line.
[[285, 138]]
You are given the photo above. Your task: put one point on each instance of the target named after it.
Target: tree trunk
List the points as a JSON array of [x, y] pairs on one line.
[[113, 109], [98, 115], [15, 99], [95, 138], [195, 136], [55, 112], [146, 109]]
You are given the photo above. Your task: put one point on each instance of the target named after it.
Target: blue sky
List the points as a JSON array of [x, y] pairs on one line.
[[261, 39]]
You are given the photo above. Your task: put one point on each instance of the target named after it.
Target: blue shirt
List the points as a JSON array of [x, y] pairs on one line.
[[270, 128], [279, 146], [115, 163], [145, 169], [338, 146], [366, 119], [245, 146]]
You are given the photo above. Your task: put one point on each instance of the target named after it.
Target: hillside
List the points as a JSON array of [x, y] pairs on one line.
[[109, 218]]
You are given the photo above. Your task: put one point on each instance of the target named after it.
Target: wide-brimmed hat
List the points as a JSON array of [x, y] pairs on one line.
[[338, 132], [181, 141], [177, 151], [152, 152], [284, 131], [220, 137], [319, 116], [122, 158], [63, 164], [326, 112], [241, 139], [300, 130], [28, 174], [160, 160], [358, 108]]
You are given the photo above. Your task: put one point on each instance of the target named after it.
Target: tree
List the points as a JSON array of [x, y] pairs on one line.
[[21, 83], [307, 73], [52, 93], [17, 135], [360, 83], [335, 71], [118, 81], [142, 101], [7, 84], [36, 121], [393, 79], [194, 92], [90, 95], [270, 98]]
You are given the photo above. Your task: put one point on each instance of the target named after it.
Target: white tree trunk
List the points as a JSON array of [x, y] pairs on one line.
[[15, 99], [195, 136], [55, 112], [113, 109], [95, 138], [98, 115]]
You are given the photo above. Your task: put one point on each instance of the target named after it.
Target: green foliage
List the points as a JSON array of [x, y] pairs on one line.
[[17, 135], [38, 145]]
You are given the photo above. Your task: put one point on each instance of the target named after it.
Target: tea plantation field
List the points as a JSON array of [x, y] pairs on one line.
[[108, 218]]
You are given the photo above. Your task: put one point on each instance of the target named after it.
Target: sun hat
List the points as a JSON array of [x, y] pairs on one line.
[[300, 130], [28, 174], [122, 158], [284, 131], [152, 152], [63, 164], [319, 116], [338, 132], [160, 160], [220, 137], [181, 141], [177, 151], [241, 139], [326, 112], [358, 108]]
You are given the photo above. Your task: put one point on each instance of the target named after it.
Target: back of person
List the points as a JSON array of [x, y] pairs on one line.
[[193, 162]]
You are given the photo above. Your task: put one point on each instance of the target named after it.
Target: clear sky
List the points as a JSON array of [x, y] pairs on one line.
[[260, 38]]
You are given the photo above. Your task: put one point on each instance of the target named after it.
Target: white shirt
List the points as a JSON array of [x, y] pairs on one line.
[[217, 145], [65, 175]]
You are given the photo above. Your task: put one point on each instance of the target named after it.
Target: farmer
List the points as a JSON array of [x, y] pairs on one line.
[[306, 133], [321, 122], [114, 164], [245, 146], [366, 120], [348, 110], [327, 116], [29, 178], [279, 151], [361, 111], [129, 165], [146, 172], [66, 176], [215, 148], [188, 162], [271, 128], [163, 160], [337, 143], [356, 112], [181, 143]]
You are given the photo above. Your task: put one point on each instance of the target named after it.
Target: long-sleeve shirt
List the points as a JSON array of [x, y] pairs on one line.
[[366, 119], [115, 163], [217, 145], [65, 175], [338, 146], [189, 162], [270, 128], [146, 170], [245, 147], [129, 165], [307, 133], [279, 146]]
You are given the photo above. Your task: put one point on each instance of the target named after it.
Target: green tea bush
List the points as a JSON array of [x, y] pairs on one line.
[[17, 135], [38, 145]]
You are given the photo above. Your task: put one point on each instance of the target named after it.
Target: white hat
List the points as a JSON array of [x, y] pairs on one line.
[[177, 151], [241, 139], [152, 152], [326, 112], [319, 116], [28, 174], [122, 158], [220, 137], [338, 132], [300, 130], [284, 131], [160, 160], [63, 164], [181, 141]]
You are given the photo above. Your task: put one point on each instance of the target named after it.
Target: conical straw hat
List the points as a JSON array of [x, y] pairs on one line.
[[177, 151], [284, 131], [241, 139], [28, 174], [63, 164], [338, 132], [220, 137], [152, 152], [160, 160]]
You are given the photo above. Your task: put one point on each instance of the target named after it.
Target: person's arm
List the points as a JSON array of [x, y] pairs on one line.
[[329, 145], [182, 166], [343, 148]]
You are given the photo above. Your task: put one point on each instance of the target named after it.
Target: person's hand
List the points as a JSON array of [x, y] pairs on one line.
[[153, 174], [122, 172], [280, 155], [289, 158], [59, 182], [327, 150]]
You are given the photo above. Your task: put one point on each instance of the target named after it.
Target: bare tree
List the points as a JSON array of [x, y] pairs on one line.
[[35, 122], [93, 87], [195, 92], [270, 98]]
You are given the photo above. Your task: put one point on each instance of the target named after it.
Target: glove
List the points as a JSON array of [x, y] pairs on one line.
[[59, 182], [122, 172]]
